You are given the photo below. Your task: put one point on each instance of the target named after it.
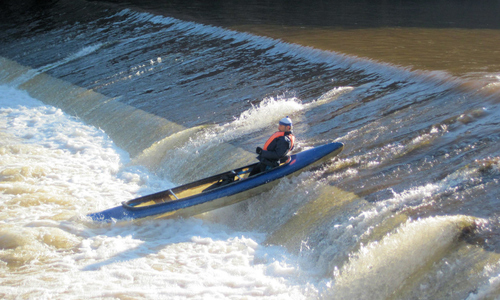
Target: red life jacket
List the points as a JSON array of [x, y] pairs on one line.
[[277, 135]]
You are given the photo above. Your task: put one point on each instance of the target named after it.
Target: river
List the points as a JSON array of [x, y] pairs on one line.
[[106, 101]]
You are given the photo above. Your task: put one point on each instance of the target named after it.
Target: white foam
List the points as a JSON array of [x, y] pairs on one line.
[[266, 114], [380, 268], [490, 289], [53, 167], [332, 95], [62, 153]]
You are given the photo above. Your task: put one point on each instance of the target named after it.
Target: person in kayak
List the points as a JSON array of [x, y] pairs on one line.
[[276, 149]]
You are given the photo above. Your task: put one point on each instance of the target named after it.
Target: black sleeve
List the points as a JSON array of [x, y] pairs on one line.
[[281, 149]]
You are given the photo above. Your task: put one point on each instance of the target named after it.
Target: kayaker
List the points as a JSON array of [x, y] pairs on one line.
[[276, 148]]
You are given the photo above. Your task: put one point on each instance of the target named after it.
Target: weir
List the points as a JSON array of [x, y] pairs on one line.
[[134, 130], [94, 108], [408, 210], [149, 138]]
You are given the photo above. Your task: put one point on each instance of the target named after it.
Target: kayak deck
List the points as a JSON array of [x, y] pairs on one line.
[[192, 189]]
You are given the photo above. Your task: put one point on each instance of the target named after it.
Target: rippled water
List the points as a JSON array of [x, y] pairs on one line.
[[104, 102]]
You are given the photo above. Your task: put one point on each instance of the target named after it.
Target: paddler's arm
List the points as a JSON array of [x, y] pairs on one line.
[[280, 151]]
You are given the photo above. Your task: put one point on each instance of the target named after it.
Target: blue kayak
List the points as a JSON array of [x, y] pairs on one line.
[[216, 191]]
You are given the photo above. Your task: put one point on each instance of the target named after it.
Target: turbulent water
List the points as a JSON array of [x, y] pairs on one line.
[[102, 102]]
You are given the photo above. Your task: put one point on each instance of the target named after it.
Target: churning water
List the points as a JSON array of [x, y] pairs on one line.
[[101, 103]]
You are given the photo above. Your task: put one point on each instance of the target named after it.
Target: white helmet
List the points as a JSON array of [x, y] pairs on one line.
[[286, 121]]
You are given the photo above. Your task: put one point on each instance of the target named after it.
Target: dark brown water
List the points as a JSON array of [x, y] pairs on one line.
[[466, 53], [458, 38]]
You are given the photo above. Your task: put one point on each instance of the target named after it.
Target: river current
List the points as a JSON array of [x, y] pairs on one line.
[[106, 101]]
